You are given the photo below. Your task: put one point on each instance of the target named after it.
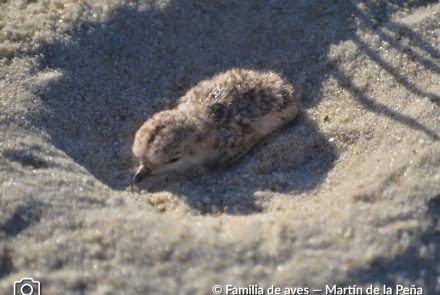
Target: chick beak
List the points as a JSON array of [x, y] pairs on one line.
[[141, 173]]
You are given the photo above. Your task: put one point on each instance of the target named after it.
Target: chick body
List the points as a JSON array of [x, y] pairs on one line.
[[216, 122]]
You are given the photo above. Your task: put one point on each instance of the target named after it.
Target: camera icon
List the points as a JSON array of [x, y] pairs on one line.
[[27, 286]]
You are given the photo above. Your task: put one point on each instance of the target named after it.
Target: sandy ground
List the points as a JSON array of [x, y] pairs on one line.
[[349, 193]]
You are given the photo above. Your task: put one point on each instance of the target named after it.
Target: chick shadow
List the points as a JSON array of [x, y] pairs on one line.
[[112, 75], [292, 160]]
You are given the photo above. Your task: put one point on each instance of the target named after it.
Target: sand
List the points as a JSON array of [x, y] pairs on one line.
[[348, 193]]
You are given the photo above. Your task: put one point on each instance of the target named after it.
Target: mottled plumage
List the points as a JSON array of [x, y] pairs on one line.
[[216, 122]]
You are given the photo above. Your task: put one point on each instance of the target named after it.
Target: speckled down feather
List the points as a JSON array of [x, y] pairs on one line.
[[216, 122]]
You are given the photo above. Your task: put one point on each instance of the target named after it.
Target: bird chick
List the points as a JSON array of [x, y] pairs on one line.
[[216, 122]]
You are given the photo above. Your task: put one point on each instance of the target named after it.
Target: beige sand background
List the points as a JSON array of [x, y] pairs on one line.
[[349, 193]]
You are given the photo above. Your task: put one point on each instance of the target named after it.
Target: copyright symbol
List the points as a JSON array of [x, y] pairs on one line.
[[217, 289]]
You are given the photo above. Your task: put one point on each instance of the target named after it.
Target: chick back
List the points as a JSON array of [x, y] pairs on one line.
[[244, 98]]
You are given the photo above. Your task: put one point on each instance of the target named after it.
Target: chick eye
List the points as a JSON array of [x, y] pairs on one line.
[[173, 160]]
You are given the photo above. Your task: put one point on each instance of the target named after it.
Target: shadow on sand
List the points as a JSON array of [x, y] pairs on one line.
[[411, 267], [118, 71]]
